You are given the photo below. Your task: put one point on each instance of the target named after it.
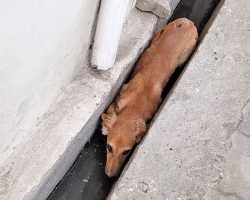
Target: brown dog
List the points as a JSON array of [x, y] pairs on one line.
[[125, 120]]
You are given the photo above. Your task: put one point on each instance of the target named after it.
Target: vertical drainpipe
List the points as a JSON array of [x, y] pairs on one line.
[[108, 32]]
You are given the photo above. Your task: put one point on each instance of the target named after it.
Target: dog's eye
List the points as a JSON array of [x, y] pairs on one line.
[[126, 152], [109, 148]]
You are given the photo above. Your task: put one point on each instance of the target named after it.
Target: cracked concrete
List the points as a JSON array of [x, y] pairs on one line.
[[244, 125], [199, 147], [236, 179]]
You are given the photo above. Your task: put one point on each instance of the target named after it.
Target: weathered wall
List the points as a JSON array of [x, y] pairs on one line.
[[42, 44]]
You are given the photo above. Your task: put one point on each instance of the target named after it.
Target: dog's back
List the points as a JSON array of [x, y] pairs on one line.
[[170, 47], [139, 99]]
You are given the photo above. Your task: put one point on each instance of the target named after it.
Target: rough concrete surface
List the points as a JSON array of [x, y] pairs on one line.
[[41, 159], [161, 8], [199, 145]]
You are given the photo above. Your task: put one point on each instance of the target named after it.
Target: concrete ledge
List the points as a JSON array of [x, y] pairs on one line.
[[40, 161], [199, 145], [161, 8]]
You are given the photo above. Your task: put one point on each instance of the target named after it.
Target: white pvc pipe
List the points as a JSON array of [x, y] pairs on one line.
[[108, 32]]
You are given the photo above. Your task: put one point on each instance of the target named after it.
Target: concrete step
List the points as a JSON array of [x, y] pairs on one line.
[[199, 145]]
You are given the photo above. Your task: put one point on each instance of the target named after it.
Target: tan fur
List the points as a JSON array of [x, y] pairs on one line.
[[139, 99]]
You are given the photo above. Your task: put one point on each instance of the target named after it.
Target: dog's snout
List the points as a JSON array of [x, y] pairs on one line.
[[109, 173]]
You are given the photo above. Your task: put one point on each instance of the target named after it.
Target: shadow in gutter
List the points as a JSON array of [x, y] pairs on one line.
[[86, 178]]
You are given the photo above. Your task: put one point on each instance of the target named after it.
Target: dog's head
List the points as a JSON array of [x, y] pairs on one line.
[[122, 135]]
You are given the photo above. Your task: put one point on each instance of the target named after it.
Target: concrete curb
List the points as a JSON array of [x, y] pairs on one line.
[[41, 160], [199, 145]]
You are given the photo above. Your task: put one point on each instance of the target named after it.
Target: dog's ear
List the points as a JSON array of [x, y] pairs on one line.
[[109, 119], [140, 129]]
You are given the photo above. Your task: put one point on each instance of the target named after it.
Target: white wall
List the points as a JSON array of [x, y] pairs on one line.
[[42, 44]]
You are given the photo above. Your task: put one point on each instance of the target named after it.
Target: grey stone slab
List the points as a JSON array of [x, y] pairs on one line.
[[161, 8], [198, 146]]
